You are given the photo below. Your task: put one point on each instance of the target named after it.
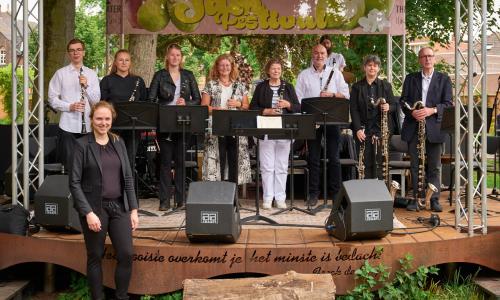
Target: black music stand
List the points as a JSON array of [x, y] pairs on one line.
[[183, 119], [136, 116], [301, 127], [327, 111], [224, 123]]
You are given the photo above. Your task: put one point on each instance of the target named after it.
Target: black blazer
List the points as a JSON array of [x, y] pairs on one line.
[[263, 97], [86, 178], [359, 104], [162, 88], [440, 95]]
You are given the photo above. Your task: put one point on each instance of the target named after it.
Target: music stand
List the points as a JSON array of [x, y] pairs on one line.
[[136, 116], [327, 111], [301, 127], [183, 119], [224, 123]]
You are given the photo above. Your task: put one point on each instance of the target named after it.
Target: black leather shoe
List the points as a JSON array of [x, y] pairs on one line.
[[313, 200], [412, 205], [164, 206], [435, 206]]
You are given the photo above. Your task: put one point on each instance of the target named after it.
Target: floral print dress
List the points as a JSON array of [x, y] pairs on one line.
[[211, 159]]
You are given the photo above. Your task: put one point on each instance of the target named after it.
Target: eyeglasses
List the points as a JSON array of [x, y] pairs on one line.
[[426, 56], [75, 50]]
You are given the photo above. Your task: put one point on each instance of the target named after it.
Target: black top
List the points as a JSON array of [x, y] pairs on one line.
[[111, 172], [363, 113], [115, 88], [263, 96]]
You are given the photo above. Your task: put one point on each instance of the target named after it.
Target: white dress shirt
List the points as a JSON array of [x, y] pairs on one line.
[[339, 60], [65, 89], [426, 81], [310, 83]]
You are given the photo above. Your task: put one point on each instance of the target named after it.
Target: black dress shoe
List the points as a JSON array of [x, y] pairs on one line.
[[313, 200], [164, 206], [412, 205], [435, 206]]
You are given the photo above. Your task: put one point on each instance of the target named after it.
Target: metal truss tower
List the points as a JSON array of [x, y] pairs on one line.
[[470, 105], [27, 99], [396, 61]]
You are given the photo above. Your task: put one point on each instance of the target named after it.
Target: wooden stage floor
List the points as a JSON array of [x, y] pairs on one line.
[[164, 257]]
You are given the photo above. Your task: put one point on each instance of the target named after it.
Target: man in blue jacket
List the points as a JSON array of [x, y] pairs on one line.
[[434, 90]]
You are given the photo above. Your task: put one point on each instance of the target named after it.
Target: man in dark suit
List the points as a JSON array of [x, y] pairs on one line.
[[434, 90]]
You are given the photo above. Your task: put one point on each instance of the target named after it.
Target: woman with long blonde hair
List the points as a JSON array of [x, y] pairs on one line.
[[173, 85]]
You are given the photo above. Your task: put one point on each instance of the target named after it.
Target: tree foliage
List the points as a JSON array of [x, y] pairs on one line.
[[90, 26]]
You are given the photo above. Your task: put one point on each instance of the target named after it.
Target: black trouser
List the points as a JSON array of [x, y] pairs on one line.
[[228, 152], [332, 154], [171, 148], [372, 158], [115, 221], [66, 148], [433, 162]]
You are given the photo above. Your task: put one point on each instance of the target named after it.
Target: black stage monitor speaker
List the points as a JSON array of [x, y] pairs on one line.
[[362, 210], [212, 213], [54, 205]]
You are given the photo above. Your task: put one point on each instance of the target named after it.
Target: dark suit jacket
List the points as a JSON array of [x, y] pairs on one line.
[[359, 104], [263, 97], [439, 95], [162, 88], [86, 176]]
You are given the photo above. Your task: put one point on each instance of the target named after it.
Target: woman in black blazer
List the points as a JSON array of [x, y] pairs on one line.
[[102, 187], [366, 117], [274, 96], [172, 85]]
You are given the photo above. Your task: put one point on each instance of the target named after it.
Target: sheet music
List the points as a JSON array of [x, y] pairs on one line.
[[269, 122]]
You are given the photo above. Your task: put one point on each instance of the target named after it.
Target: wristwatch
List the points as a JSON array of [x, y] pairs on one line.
[[435, 110]]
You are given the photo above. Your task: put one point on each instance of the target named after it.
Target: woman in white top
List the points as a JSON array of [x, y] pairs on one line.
[[224, 91]]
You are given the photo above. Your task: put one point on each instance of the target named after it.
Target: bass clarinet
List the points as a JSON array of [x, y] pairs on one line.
[[393, 185], [422, 202]]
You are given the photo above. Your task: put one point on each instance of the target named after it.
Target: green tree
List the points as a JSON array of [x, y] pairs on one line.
[[90, 26]]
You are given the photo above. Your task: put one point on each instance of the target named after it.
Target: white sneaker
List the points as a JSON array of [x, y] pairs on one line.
[[266, 205], [281, 204]]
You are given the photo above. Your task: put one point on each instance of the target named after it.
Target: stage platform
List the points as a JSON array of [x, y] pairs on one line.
[[164, 257]]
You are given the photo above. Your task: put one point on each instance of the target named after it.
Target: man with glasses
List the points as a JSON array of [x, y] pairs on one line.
[[433, 88], [321, 80], [73, 90]]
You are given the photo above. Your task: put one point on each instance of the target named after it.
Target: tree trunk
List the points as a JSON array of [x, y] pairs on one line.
[[142, 48], [59, 28]]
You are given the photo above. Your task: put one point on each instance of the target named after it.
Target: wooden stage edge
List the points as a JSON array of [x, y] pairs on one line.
[[163, 259]]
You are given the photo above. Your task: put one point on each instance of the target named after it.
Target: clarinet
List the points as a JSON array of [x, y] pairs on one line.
[[235, 86], [82, 99], [325, 88]]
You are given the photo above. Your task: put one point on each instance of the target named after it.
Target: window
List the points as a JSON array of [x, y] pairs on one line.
[[3, 57]]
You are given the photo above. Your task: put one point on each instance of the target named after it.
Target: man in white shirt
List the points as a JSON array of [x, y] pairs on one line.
[[334, 59], [73, 90], [321, 80]]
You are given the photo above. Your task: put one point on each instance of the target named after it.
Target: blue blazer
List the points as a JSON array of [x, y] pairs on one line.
[[85, 180], [440, 95]]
